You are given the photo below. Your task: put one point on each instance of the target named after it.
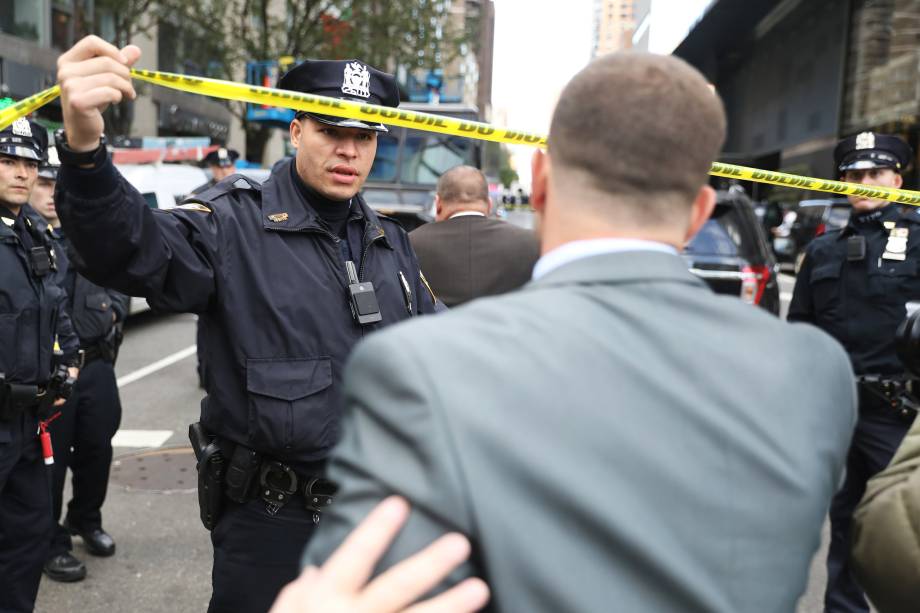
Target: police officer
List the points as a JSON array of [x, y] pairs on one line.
[[38, 354], [221, 164], [854, 284], [83, 434], [286, 277]]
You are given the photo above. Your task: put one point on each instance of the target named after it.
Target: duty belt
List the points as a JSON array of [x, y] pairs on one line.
[[895, 392]]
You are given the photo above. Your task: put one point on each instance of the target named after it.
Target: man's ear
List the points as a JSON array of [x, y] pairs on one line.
[[539, 180], [295, 130], [703, 205], [898, 180], [437, 206]]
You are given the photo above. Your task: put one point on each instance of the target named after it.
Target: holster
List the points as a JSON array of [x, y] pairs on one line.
[[210, 474], [16, 398]]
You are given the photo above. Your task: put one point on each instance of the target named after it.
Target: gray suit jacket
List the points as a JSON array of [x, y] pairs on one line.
[[471, 256], [613, 437]]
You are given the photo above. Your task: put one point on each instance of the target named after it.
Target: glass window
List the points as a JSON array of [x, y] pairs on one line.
[[61, 29], [427, 156], [21, 18], [385, 164]]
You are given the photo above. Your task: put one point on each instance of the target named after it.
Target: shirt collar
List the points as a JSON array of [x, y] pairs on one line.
[[577, 250], [467, 214]]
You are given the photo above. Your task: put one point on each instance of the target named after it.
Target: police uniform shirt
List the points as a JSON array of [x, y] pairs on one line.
[[861, 301]]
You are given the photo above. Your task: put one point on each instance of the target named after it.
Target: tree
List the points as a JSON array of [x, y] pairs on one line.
[[389, 35]]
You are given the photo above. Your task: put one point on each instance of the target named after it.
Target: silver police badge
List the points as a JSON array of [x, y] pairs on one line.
[[22, 128], [865, 140], [356, 80], [896, 248]]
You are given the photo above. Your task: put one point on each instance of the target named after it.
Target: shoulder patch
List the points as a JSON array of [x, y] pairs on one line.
[[192, 206]]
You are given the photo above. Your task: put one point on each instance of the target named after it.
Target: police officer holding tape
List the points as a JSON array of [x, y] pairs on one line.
[[91, 416], [286, 277], [38, 359], [854, 284]]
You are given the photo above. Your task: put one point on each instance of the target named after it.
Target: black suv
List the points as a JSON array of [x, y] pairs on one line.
[[812, 218], [731, 254]]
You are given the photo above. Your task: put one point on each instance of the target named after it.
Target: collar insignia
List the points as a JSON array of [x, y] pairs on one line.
[[865, 140], [278, 217], [22, 128], [356, 80], [8, 221]]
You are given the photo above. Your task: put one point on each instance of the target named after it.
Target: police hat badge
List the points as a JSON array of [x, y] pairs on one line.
[[356, 80]]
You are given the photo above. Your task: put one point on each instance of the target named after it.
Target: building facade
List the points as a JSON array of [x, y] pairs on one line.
[[797, 75]]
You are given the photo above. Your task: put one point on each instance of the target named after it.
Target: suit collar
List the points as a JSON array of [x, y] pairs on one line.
[[621, 267]]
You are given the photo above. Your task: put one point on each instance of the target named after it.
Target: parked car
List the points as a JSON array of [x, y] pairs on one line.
[[731, 254], [162, 186], [813, 218]]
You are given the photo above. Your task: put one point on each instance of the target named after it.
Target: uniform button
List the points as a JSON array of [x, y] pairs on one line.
[[287, 447]]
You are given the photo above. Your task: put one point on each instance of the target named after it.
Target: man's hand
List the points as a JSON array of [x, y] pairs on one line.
[[93, 74], [74, 373], [341, 586]]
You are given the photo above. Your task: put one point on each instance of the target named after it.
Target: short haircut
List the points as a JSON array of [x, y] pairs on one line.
[[641, 128], [463, 185]]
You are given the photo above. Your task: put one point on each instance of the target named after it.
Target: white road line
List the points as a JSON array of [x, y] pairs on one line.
[[158, 365], [141, 438]]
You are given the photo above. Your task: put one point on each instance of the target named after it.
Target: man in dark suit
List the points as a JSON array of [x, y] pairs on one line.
[[465, 254], [594, 434]]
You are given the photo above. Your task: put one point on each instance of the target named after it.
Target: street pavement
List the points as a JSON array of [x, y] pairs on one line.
[[163, 557]]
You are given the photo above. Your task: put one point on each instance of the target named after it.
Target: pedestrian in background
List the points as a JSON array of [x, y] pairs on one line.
[[854, 284], [82, 436], [466, 254]]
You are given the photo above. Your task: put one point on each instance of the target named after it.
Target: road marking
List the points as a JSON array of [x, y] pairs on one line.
[[787, 296], [158, 365], [141, 438]]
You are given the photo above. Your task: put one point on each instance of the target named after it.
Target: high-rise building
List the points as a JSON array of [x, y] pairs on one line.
[[614, 25]]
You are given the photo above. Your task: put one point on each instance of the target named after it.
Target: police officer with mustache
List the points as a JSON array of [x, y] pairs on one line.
[[286, 277]]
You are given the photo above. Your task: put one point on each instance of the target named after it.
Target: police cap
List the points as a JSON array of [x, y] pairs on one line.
[[48, 168], [345, 79], [870, 150], [222, 157], [24, 139]]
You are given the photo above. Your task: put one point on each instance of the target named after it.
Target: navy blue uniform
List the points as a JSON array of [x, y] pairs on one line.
[[268, 279], [861, 302], [82, 436], [32, 317]]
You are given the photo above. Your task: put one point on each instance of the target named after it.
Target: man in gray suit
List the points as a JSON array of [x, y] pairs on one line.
[[465, 254], [613, 436]]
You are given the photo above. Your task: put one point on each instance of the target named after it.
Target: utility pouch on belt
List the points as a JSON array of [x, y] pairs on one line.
[[242, 473], [210, 474]]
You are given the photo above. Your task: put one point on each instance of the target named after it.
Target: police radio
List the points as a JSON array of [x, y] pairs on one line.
[[364, 305]]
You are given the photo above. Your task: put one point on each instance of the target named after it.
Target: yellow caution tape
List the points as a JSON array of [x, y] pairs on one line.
[[28, 105], [441, 124], [743, 173], [339, 108]]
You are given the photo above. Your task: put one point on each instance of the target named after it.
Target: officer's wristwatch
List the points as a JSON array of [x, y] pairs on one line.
[[79, 158]]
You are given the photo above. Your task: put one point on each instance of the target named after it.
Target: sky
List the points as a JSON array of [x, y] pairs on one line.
[[540, 45]]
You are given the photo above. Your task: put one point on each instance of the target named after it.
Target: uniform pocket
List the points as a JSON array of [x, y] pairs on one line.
[[291, 406], [894, 277], [94, 320], [825, 286]]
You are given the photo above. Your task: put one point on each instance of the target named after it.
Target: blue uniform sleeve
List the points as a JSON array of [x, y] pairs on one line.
[[165, 257], [66, 337], [120, 303], [800, 307]]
